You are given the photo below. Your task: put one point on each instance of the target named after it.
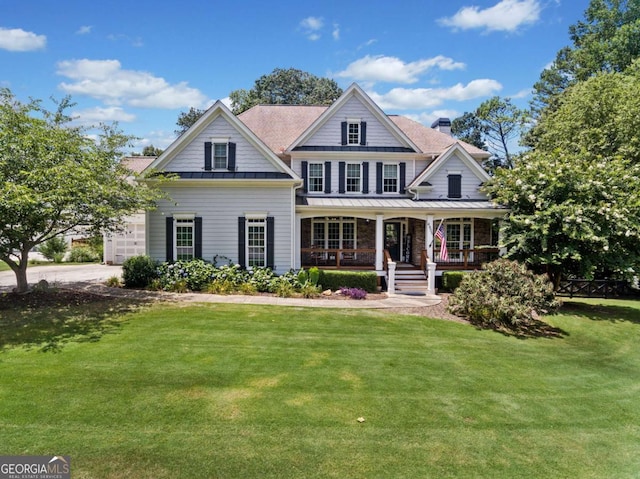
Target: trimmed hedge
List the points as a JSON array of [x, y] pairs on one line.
[[334, 280], [139, 271], [451, 280]]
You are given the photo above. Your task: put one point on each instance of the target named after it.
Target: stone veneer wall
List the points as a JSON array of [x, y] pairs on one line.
[[481, 232]]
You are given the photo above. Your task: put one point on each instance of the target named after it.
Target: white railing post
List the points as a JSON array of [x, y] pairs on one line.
[[391, 277], [431, 277]]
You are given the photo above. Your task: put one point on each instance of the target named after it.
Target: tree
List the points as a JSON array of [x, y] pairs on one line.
[[608, 40], [468, 128], [55, 179], [188, 118], [151, 150], [286, 87], [575, 200]]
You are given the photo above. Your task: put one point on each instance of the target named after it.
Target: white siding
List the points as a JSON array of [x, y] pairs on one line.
[[248, 158], [440, 182], [220, 208], [330, 134]]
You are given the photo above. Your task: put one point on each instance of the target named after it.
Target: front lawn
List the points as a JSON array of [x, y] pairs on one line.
[[234, 391]]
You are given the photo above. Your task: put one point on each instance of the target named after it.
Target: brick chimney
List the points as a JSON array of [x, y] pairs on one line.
[[442, 125]]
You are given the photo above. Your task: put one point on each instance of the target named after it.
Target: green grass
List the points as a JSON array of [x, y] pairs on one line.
[[232, 391]]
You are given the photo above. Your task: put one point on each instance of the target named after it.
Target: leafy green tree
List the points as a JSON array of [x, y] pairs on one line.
[[151, 150], [54, 178], [599, 115], [575, 200], [468, 129], [607, 40], [286, 87], [188, 118]]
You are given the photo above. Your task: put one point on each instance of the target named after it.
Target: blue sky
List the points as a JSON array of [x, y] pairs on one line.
[[141, 62]]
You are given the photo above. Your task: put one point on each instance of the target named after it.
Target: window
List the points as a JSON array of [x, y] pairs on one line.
[[256, 243], [390, 179], [334, 233], [353, 133], [220, 155], [459, 237], [184, 234], [455, 185], [316, 176], [353, 177]]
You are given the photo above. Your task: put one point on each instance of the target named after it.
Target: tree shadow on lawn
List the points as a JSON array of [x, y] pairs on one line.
[[601, 312], [535, 329], [49, 320]]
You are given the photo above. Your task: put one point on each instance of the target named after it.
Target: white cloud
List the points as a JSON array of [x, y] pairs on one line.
[[423, 98], [506, 15], [336, 32], [522, 93], [311, 27], [160, 139], [392, 69], [107, 81], [427, 118], [84, 30], [17, 40], [102, 115]]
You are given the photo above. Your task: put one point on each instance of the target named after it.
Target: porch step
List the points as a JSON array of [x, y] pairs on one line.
[[410, 280]]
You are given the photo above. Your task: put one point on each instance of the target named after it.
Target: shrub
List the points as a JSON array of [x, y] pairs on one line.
[[451, 280], [83, 254], [261, 278], [54, 249], [354, 293], [139, 271], [195, 274], [503, 294], [334, 280], [309, 290], [113, 282]]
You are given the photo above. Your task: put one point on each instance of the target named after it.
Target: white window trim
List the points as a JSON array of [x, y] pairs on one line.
[[461, 222], [397, 190], [341, 220], [322, 169], [184, 221], [357, 122], [346, 178], [253, 220]]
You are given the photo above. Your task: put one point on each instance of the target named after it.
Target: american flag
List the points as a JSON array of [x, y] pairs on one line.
[[440, 234]]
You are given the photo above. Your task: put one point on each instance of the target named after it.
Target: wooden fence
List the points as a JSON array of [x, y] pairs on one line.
[[597, 288]]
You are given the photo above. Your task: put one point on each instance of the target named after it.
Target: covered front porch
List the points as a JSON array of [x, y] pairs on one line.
[[350, 242]]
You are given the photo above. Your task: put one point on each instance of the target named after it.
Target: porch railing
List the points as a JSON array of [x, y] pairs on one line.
[[363, 258], [466, 258]]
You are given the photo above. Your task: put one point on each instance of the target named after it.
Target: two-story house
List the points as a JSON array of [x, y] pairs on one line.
[[344, 186]]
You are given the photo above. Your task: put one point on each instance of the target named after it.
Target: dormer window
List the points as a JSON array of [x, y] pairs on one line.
[[455, 184], [353, 133], [219, 154]]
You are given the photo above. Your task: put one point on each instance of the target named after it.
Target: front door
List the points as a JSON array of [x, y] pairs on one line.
[[392, 240]]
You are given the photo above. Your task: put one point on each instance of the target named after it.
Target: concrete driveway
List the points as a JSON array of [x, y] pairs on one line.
[[89, 273]]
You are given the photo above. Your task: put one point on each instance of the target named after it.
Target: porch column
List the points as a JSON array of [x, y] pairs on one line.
[[502, 250], [428, 236], [379, 242], [297, 242]]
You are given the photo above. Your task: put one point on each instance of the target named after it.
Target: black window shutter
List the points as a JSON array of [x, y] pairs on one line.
[[379, 178], [231, 161], [363, 133], [327, 177], [270, 242], [403, 176], [344, 132], [365, 177], [169, 238], [341, 177], [198, 237], [455, 186], [207, 155], [241, 242], [305, 176]]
